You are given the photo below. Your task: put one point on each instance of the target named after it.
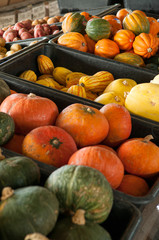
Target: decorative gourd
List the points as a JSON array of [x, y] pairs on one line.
[[90, 95], [97, 82], [89, 191], [74, 22], [60, 74], [137, 23], [154, 26], [46, 82], [65, 229], [77, 90], [124, 38], [7, 128], [143, 101], [140, 156], [15, 143], [45, 64], [130, 58], [98, 28], [101, 159], [18, 171], [90, 43], [121, 86], [27, 210], [29, 75], [52, 82], [29, 111], [70, 120], [73, 78], [110, 97], [122, 13], [106, 48], [4, 90], [114, 22], [73, 40], [49, 144], [139, 11], [145, 45], [43, 76]]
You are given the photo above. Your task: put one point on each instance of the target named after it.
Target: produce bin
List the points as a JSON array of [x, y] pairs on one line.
[[144, 5], [124, 219], [140, 126]]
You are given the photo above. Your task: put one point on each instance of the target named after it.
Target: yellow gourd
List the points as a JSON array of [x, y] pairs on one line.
[[60, 73], [110, 97]]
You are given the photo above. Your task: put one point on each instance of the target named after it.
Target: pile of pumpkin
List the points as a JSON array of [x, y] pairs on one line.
[[129, 36], [139, 99]]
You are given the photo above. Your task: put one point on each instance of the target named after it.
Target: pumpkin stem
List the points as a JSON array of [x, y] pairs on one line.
[[78, 217], [149, 49], [148, 138], [6, 193], [35, 236], [31, 95], [1, 155]]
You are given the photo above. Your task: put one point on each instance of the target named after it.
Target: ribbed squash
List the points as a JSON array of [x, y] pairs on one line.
[[97, 82], [45, 64], [90, 43], [130, 58], [145, 45], [110, 97], [74, 22], [90, 95], [89, 191], [106, 48], [115, 23], [29, 75], [45, 83], [143, 100], [73, 40], [60, 74], [98, 28], [124, 38], [77, 90], [73, 78], [137, 23], [53, 83], [154, 26]]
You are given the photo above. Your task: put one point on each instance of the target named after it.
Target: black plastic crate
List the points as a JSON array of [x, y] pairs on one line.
[[140, 127], [124, 219]]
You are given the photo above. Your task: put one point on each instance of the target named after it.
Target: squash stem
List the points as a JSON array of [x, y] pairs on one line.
[[78, 217], [35, 236], [6, 193], [148, 138]]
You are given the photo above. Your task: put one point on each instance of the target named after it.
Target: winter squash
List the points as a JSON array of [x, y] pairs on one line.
[[66, 228], [86, 124], [120, 125], [29, 75], [115, 23], [122, 13], [145, 45], [15, 143], [45, 64], [106, 48], [154, 25], [73, 78], [130, 58], [124, 38], [98, 28], [140, 156], [29, 111], [137, 23], [60, 74], [87, 15], [139, 186], [139, 11], [4, 90], [89, 192], [7, 127], [90, 43], [27, 210], [110, 97], [49, 144], [77, 90], [74, 22], [73, 40], [101, 159], [20, 171]]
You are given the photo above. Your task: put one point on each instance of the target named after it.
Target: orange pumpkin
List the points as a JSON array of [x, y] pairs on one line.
[[154, 26], [140, 156], [86, 15], [145, 45], [114, 22], [134, 185], [73, 40], [29, 111], [49, 144], [124, 38], [139, 11], [90, 43], [106, 48], [15, 143], [87, 125], [122, 13], [107, 147], [12, 91], [101, 159]]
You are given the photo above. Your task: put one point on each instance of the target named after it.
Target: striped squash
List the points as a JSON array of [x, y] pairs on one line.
[[77, 90]]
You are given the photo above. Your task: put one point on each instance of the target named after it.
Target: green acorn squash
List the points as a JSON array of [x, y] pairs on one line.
[[82, 188], [130, 58], [27, 210], [4, 90], [18, 171], [98, 28], [7, 127]]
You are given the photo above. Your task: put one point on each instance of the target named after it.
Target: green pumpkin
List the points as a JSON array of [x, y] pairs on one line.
[[30, 209], [98, 28], [82, 187], [66, 230], [130, 58], [7, 127], [4, 90], [18, 171], [74, 22]]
